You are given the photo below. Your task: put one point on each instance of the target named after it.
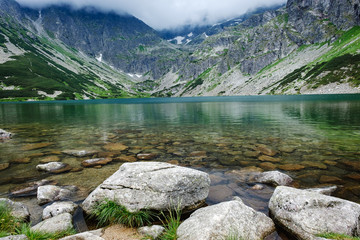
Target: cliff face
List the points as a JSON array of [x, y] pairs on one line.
[[276, 51]]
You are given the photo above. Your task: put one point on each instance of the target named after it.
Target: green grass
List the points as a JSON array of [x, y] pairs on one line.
[[9, 225], [109, 212], [337, 236], [171, 221]]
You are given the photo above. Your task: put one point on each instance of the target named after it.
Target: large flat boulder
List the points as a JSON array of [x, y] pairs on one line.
[[304, 214], [153, 186], [226, 219], [51, 193]]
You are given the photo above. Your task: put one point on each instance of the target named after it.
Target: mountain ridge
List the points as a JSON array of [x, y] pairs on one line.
[[111, 56]]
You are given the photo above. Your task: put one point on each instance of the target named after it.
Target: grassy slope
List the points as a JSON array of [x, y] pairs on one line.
[[44, 68]]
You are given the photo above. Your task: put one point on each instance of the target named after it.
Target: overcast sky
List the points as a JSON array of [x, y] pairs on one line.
[[166, 14]]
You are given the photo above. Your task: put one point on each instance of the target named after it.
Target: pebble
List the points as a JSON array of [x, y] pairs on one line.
[[291, 167], [115, 147]]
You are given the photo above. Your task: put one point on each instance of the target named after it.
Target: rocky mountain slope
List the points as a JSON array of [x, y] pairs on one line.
[[307, 46]]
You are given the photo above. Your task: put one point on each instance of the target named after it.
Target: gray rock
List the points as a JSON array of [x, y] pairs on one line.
[[323, 190], [29, 189], [274, 178], [232, 218], [79, 153], [15, 237], [91, 235], [4, 134], [58, 208], [154, 231], [152, 185], [18, 210], [53, 167], [304, 213], [58, 223], [50, 193]]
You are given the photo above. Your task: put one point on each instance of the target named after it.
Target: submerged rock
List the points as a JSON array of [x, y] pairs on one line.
[[4, 166], [18, 209], [115, 147], [55, 224], [29, 189], [275, 178], [146, 156], [50, 193], [4, 134], [54, 167], [58, 208], [34, 146], [305, 214], [79, 153], [232, 218], [153, 186], [95, 162]]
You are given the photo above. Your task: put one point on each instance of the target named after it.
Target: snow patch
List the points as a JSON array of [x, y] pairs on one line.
[[131, 75], [190, 34], [138, 75]]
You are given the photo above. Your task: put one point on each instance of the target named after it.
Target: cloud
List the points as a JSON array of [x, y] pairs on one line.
[[167, 14]]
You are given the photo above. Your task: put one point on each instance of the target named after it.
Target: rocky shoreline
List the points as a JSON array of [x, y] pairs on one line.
[[157, 186]]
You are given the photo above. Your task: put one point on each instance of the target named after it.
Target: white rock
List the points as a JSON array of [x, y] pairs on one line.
[[18, 209], [304, 213], [232, 218], [91, 235], [51, 166], [154, 231], [50, 193], [58, 223], [152, 185], [79, 153], [274, 178], [15, 237], [58, 208], [323, 190], [4, 134]]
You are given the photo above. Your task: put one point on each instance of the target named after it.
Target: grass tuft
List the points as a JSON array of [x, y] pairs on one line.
[[113, 213], [337, 236], [171, 221]]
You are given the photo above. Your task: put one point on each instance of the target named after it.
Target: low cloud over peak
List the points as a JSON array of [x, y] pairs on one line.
[[166, 14]]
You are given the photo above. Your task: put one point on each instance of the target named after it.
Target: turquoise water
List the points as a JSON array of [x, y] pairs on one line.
[[316, 140]]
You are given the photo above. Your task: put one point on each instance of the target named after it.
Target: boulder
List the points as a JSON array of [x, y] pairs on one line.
[[275, 178], [79, 153], [29, 189], [154, 231], [323, 190], [232, 218], [305, 214], [95, 162], [55, 224], [18, 209], [50, 193], [91, 235], [54, 167], [15, 237], [4, 134], [153, 186], [58, 208]]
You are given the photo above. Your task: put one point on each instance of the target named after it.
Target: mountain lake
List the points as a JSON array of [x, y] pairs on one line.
[[313, 138]]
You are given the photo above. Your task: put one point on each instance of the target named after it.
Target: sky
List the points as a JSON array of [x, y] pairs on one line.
[[167, 14]]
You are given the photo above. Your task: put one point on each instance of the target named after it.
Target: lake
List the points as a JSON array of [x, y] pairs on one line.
[[315, 139]]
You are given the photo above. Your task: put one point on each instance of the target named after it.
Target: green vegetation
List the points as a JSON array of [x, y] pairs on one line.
[[171, 223], [109, 212], [337, 236], [197, 81], [9, 225]]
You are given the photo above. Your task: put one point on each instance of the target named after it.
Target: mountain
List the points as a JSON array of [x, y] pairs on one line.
[[307, 46]]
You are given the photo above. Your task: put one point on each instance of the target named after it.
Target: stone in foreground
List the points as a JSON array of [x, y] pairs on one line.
[[232, 218], [54, 167], [58, 208], [15, 237], [50, 193], [275, 178], [18, 209], [55, 224], [91, 235], [153, 186], [154, 231], [305, 214]]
